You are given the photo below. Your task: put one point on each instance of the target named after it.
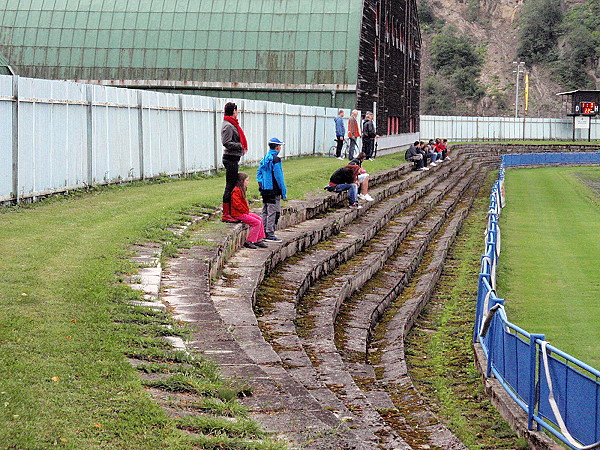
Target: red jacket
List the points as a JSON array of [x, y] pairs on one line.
[[353, 131], [239, 204]]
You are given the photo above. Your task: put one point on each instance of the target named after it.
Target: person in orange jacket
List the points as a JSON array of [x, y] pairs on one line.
[[353, 134], [241, 211]]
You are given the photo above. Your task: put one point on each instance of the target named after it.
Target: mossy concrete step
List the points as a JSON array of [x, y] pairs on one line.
[[278, 326], [320, 342], [295, 212], [277, 398], [360, 319], [233, 303], [278, 402], [388, 351]]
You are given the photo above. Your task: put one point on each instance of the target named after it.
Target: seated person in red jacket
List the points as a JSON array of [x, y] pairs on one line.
[[241, 211]]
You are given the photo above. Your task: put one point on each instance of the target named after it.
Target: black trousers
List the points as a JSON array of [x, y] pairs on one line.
[[368, 145], [340, 145], [231, 163]]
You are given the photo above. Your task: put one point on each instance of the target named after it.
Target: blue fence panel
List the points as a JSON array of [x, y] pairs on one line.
[[533, 159], [577, 397], [513, 354], [516, 364]]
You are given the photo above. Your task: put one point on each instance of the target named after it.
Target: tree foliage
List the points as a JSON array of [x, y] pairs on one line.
[[539, 33], [457, 59], [427, 19], [580, 47]]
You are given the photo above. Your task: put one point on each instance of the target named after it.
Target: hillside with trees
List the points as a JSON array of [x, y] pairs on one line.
[[470, 48]]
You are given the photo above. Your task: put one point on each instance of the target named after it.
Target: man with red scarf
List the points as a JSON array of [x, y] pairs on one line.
[[234, 141]]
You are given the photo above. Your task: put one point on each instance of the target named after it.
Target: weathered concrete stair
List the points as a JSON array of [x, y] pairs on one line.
[[328, 296], [229, 329]]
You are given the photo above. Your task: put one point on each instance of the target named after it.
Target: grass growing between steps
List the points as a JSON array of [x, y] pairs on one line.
[[549, 266], [66, 327], [439, 352]]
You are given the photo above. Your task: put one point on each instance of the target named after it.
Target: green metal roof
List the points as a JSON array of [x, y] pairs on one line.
[[280, 42]]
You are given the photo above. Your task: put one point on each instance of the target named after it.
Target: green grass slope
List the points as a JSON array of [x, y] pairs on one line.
[[550, 262], [64, 378]]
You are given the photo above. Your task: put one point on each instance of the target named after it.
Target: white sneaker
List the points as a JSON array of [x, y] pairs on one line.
[[362, 197], [433, 164], [425, 168], [446, 159], [368, 198], [355, 206], [339, 157]]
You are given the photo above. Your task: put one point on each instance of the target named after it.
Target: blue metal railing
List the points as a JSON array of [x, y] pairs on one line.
[[558, 392]]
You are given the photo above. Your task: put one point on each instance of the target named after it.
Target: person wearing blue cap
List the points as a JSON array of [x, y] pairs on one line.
[[271, 184]]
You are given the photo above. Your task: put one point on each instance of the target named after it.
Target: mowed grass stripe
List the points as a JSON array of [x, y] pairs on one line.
[[63, 376], [550, 262]]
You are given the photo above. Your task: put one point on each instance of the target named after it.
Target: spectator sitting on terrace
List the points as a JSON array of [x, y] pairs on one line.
[[241, 212], [346, 179], [414, 155], [430, 155], [445, 150], [363, 177], [437, 147]]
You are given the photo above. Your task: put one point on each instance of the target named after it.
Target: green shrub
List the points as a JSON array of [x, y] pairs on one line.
[[540, 26], [454, 57]]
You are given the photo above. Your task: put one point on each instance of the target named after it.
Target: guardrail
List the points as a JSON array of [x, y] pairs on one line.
[[558, 392]]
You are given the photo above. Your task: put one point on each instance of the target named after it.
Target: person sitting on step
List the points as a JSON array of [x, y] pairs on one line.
[[415, 156], [241, 211], [346, 179], [363, 177]]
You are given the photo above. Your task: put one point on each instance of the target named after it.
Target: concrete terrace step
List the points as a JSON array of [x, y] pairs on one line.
[[229, 332], [387, 353], [319, 343], [234, 303], [278, 401], [277, 323]]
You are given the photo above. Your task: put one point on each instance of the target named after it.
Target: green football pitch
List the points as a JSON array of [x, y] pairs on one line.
[[549, 272]]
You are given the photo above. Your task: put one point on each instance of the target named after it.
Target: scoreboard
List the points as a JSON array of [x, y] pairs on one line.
[[588, 108]]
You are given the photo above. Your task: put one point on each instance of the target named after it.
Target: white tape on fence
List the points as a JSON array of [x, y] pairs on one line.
[[556, 410]]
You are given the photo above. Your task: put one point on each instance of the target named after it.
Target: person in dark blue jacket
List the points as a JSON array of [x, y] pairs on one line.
[[271, 184], [340, 133]]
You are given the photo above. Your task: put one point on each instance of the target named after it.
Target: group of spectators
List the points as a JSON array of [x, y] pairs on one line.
[[427, 154], [271, 182], [368, 135]]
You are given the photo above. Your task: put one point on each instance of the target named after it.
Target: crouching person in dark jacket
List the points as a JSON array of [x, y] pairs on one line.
[[271, 184], [346, 179]]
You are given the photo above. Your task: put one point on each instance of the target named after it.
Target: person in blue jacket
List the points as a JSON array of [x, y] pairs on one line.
[[340, 133], [271, 185]]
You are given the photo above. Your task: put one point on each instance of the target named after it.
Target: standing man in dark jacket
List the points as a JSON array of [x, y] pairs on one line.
[[235, 146], [340, 133], [369, 135]]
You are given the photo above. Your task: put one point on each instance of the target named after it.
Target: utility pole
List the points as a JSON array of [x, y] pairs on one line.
[[519, 68]]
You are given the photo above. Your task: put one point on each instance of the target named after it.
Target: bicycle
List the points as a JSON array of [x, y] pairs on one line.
[[344, 152]]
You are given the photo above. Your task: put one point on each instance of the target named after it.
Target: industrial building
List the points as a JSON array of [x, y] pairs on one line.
[[360, 54]]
